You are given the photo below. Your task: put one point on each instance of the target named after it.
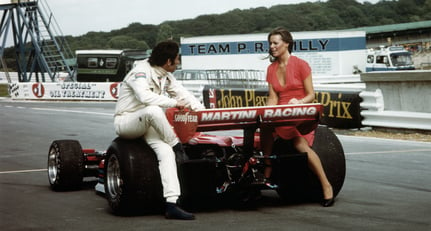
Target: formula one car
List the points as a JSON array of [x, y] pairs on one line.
[[230, 166]]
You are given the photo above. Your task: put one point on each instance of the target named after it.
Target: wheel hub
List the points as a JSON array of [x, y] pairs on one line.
[[113, 177], [53, 161]]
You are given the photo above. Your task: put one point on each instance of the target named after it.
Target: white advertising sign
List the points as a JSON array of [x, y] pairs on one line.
[[327, 52], [64, 91]]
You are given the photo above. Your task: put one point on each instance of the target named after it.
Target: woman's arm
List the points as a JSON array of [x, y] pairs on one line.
[[309, 92], [272, 96]]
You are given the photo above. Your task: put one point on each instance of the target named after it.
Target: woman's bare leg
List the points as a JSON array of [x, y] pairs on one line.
[[266, 143], [315, 165]]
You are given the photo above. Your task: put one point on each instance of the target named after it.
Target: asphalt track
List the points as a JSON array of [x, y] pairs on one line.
[[387, 186]]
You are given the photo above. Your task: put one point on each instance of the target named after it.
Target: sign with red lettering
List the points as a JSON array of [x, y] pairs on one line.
[[186, 123]]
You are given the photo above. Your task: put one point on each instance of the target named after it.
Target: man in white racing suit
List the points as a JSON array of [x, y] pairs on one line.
[[145, 91]]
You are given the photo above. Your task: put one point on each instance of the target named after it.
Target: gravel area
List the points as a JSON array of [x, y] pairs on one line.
[[424, 136]]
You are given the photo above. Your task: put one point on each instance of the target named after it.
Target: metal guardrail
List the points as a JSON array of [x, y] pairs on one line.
[[374, 115], [8, 77], [339, 79], [196, 89], [357, 87], [12, 77], [423, 65], [372, 104], [196, 80], [372, 100], [397, 119]]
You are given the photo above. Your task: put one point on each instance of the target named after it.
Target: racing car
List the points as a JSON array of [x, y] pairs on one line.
[[218, 166]]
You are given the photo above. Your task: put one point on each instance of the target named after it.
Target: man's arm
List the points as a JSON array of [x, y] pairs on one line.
[[178, 91], [138, 82]]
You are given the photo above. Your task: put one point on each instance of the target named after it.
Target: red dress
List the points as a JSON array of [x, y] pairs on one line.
[[297, 70]]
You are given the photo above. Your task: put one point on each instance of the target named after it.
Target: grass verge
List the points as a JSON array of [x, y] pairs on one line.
[[4, 90]]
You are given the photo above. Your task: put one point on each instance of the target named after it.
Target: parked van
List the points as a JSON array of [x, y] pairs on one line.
[[392, 58]]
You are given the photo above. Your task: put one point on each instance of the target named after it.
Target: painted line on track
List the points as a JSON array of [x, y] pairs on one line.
[[61, 110], [72, 111], [380, 138], [23, 171], [389, 152]]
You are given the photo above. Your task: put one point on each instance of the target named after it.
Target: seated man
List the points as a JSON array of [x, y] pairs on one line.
[[146, 89]]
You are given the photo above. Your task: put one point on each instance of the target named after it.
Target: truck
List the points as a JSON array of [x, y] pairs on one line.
[[106, 65], [392, 58]]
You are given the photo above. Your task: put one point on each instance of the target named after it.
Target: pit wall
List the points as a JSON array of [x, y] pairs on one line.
[[399, 99], [408, 91]]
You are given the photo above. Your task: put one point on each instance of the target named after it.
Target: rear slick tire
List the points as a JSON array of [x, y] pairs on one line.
[[132, 178], [331, 154], [303, 184]]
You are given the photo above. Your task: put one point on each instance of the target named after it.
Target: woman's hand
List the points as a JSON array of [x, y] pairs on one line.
[[296, 101]]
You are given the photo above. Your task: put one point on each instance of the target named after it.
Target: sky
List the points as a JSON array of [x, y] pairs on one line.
[[79, 17]]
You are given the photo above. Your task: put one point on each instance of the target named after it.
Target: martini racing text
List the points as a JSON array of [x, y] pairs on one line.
[[251, 114]]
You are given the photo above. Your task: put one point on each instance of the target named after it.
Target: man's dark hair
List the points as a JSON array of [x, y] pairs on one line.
[[164, 51]]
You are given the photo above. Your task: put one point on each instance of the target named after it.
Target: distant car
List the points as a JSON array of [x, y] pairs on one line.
[[218, 166]]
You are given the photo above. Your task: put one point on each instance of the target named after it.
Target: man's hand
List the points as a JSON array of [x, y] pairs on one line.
[[181, 104]]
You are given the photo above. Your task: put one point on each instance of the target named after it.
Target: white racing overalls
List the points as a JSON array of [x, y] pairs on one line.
[[144, 92]]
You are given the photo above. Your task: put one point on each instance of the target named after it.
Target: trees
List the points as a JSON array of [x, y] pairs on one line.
[[309, 16], [165, 32], [127, 42]]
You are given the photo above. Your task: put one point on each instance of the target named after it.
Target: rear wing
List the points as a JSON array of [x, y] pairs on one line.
[[305, 117]]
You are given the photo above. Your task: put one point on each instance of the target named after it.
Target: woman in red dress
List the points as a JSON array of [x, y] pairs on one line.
[[290, 82]]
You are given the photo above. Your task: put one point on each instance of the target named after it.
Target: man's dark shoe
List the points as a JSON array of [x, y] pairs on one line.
[[175, 212], [180, 154]]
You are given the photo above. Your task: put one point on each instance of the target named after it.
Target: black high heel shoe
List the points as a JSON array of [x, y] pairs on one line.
[[328, 202]]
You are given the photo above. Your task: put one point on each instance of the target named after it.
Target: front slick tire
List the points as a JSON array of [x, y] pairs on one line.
[[132, 178], [65, 165]]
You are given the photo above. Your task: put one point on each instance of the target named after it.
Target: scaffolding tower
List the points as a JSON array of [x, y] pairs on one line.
[[41, 49]]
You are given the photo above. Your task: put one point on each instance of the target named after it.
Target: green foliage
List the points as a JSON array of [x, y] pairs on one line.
[[309, 16], [127, 42], [165, 32], [4, 92]]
